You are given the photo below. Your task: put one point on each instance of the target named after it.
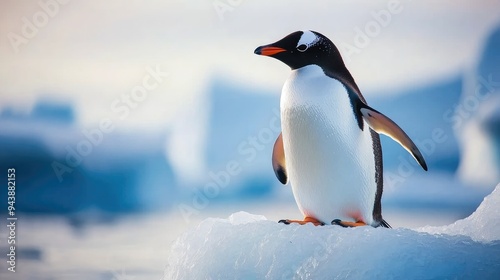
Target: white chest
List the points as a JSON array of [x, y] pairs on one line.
[[330, 160]]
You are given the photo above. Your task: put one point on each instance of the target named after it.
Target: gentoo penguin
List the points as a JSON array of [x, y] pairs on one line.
[[329, 148]]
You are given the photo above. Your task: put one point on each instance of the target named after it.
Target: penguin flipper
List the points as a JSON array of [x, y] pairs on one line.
[[279, 164], [382, 124]]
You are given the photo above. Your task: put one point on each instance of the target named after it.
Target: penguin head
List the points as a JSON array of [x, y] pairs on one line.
[[303, 48]]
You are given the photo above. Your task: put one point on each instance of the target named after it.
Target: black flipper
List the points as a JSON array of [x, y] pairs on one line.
[[279, 163]]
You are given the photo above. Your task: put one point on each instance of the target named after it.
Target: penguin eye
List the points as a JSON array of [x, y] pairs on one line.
[[302, 48]]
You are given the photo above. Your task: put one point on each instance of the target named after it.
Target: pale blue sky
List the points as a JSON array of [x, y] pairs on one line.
[[92, 52]]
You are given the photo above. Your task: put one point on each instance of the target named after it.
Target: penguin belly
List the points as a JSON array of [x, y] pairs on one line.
[[330, 160]]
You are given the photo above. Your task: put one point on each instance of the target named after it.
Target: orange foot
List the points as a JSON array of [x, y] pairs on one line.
[[305, 221], [348, 224]]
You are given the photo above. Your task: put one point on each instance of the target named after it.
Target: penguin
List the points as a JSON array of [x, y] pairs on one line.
[[329, 147]]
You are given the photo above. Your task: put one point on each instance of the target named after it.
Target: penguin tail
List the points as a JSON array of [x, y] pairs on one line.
[[385, 224]]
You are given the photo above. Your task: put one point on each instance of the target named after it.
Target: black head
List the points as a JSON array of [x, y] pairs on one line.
[[304, 48]]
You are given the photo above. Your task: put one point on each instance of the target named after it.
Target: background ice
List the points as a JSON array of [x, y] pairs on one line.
[[479, 136], [247, 246]]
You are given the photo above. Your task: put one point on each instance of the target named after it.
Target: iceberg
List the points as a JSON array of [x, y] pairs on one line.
[[477, 123], [247, 246]]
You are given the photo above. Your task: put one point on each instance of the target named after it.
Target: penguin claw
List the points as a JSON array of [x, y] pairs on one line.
[[338, 222], [305, 221]]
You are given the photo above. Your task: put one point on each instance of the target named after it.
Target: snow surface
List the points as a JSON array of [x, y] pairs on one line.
[[247, 246], [482, 226]]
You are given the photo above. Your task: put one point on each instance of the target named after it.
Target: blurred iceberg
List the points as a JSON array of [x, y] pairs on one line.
[[59, 169], [243, 123], [478, 119]]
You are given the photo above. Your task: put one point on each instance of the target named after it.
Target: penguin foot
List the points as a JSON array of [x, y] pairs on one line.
[[305, 221], [347, 224]]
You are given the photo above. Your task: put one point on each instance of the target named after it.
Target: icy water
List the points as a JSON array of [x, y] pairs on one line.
[[135, 246]]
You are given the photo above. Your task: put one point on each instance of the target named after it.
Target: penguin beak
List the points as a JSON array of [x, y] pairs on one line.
[[268, 50]]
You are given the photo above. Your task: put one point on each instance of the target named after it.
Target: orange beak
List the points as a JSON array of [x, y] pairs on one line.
[[268, 50]]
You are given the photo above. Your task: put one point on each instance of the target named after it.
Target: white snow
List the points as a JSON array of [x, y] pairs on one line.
[[247, 246], [483, 225]]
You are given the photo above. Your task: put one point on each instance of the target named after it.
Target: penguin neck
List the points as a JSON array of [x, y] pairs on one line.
[[337, 71], [309, 72], [343, 75], [316, 76], [309, 85], [340, 73]]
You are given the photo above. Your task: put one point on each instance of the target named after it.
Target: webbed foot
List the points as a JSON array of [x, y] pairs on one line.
[[303, 222], [348, 224]]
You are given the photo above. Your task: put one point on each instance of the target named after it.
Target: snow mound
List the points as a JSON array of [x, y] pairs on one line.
[[482, 225], [247, 246]]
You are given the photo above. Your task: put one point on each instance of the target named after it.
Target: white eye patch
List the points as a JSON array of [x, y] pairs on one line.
[[308, 39]]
